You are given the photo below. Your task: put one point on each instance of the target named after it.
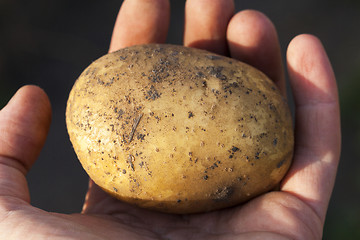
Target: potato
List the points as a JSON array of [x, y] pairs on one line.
[[179, 130]]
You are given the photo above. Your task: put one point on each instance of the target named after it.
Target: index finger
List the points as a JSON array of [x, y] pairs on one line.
[[140, 22]]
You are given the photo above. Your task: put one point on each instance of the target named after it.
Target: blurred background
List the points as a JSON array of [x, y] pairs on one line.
[[50, 42]]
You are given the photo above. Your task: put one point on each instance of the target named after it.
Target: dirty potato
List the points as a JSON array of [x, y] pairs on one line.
[[179, 130]]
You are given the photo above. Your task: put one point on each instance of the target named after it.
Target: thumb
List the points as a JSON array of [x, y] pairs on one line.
[[24, 124]]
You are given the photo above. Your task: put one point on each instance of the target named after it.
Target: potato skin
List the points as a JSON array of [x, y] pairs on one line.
[[179, 130]]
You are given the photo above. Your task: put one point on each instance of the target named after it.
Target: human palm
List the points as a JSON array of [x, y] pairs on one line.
[[296, 211]]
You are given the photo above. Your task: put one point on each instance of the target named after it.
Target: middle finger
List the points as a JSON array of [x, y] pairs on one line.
[[206, 23]]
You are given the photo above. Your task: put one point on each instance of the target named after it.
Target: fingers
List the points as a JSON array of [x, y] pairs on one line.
[[249, 35], [206, 22], [24, 124], [252, 38], [317, 142], [95, 199], [140, 22]]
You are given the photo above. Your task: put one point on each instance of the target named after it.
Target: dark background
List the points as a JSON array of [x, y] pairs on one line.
[[49, 43]]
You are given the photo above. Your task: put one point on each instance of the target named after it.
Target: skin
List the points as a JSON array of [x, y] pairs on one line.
[[296, 211]]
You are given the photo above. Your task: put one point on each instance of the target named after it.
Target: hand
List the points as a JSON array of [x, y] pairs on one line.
[[296, 211]]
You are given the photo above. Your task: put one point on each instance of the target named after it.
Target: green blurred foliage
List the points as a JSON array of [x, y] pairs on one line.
[[343, 221], [5, 94], [344, 225], [350, 105]]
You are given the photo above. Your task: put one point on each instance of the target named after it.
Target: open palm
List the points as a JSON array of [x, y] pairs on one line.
[[296, 211]]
